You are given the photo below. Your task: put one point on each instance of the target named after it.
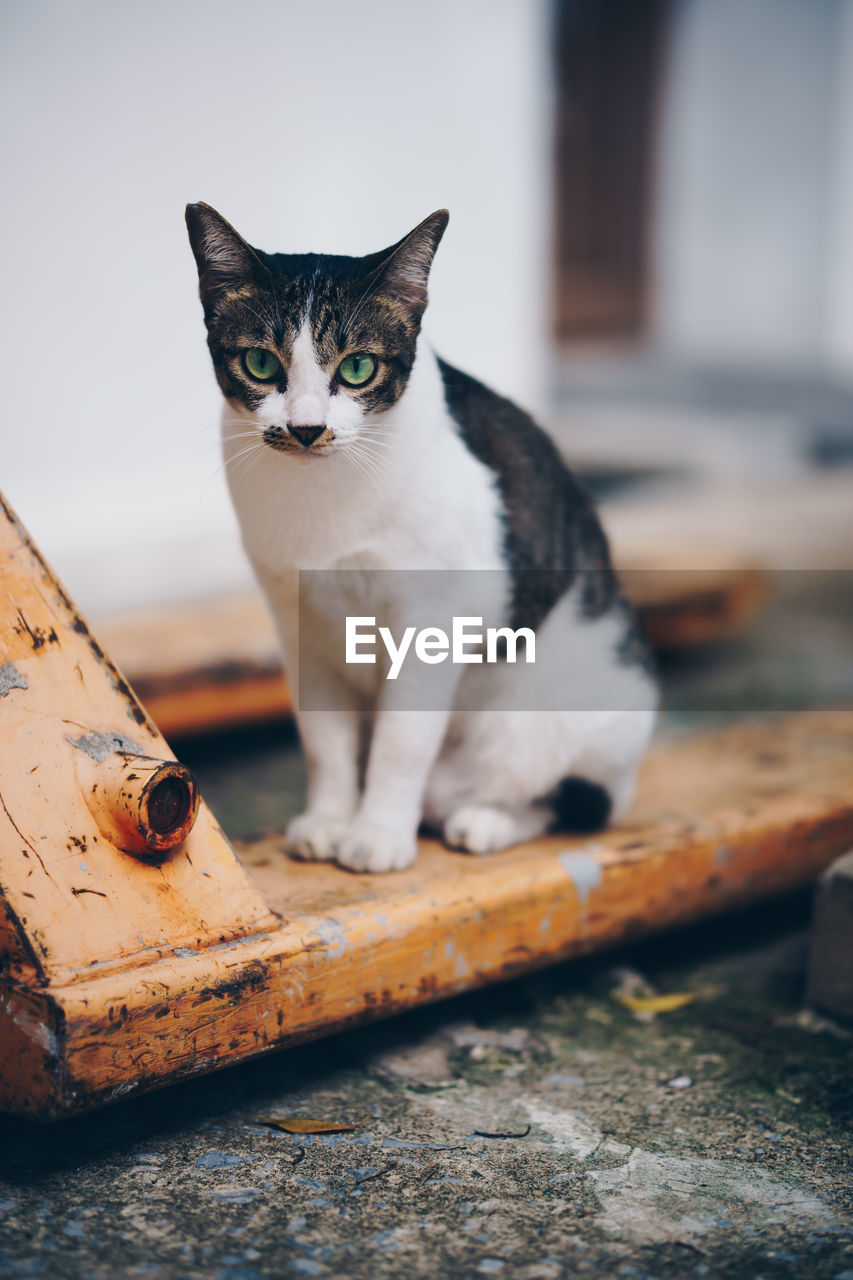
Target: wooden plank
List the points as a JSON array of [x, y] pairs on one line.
[[215, 664], [683, 608], [720, 819], [209, 664]]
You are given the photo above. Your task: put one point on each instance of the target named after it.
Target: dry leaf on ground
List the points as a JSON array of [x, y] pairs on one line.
[[654, 1004], [304, 1124]]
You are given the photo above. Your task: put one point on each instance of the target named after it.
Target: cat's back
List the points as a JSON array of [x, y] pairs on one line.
[[552, 532]]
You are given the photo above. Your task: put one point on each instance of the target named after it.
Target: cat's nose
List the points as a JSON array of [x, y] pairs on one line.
[[306, 435]]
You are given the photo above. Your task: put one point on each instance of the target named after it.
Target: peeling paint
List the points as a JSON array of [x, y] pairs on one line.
[[232, 944], [10, 678], [583, 870], [101, 745], [331, 932], [32, 1027]]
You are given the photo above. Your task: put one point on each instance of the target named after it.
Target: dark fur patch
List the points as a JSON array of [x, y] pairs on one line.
[[581, 806], [553, 533]]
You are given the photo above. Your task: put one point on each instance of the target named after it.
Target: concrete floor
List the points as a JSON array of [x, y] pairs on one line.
[[713, 1141], [710, 1141]]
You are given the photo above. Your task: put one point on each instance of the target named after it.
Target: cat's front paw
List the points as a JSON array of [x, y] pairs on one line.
[[480, 829], [314, 837], [368, 847]]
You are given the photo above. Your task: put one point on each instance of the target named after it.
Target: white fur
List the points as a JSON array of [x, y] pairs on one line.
[[401, 491]]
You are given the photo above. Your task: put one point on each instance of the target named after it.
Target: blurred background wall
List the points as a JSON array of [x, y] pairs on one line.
[[651, 241], [756, 158], [321, 126]]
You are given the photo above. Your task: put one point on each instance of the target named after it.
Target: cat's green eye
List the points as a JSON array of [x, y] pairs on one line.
[[261, 364], [357, 369]]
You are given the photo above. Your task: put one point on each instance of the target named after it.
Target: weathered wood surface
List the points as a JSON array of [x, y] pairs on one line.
[[71, 733], [215, 664], [210, 664], [720, 819]]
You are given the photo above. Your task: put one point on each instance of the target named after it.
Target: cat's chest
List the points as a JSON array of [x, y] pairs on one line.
[[333, 534], [307, 519]]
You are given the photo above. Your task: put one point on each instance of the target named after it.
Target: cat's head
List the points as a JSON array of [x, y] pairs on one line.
[[308, 344]]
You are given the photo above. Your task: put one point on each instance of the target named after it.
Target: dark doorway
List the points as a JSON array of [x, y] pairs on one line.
[[609, 56]]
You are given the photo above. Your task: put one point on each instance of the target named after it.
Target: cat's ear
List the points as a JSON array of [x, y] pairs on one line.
[[223, 257], [405, 266]]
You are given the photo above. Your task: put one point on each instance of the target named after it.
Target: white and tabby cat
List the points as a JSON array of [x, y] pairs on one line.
[[373, 454]]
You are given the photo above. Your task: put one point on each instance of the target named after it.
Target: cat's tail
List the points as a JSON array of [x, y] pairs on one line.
[[580, 806]]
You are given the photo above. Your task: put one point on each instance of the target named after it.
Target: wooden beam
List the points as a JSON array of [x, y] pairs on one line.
[[721, 819]]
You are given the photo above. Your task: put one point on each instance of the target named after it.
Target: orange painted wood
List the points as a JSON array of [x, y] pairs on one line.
[[210, 664], [682, 608], [215, 664], [71, 732], [721, 819]]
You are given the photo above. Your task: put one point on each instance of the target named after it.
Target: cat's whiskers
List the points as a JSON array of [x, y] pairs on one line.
[[279, 321], [266, 321], [230, 461], [379, 441], [368, 428], [242, 435], [214, 426], [371, 465], [249, 467], [358, 449], [388, 458], [241, 453], [360, 467], [209, 426], [212, 444], [368, 293], [274, 321], [383, 463], [250, 456], [203, 448], [223, 440]]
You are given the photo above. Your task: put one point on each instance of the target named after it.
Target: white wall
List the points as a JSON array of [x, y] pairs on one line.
[[757, 107], [321, 126], [839, 311]]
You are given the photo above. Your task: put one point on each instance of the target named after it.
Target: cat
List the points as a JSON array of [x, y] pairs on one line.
[[367, 452]]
